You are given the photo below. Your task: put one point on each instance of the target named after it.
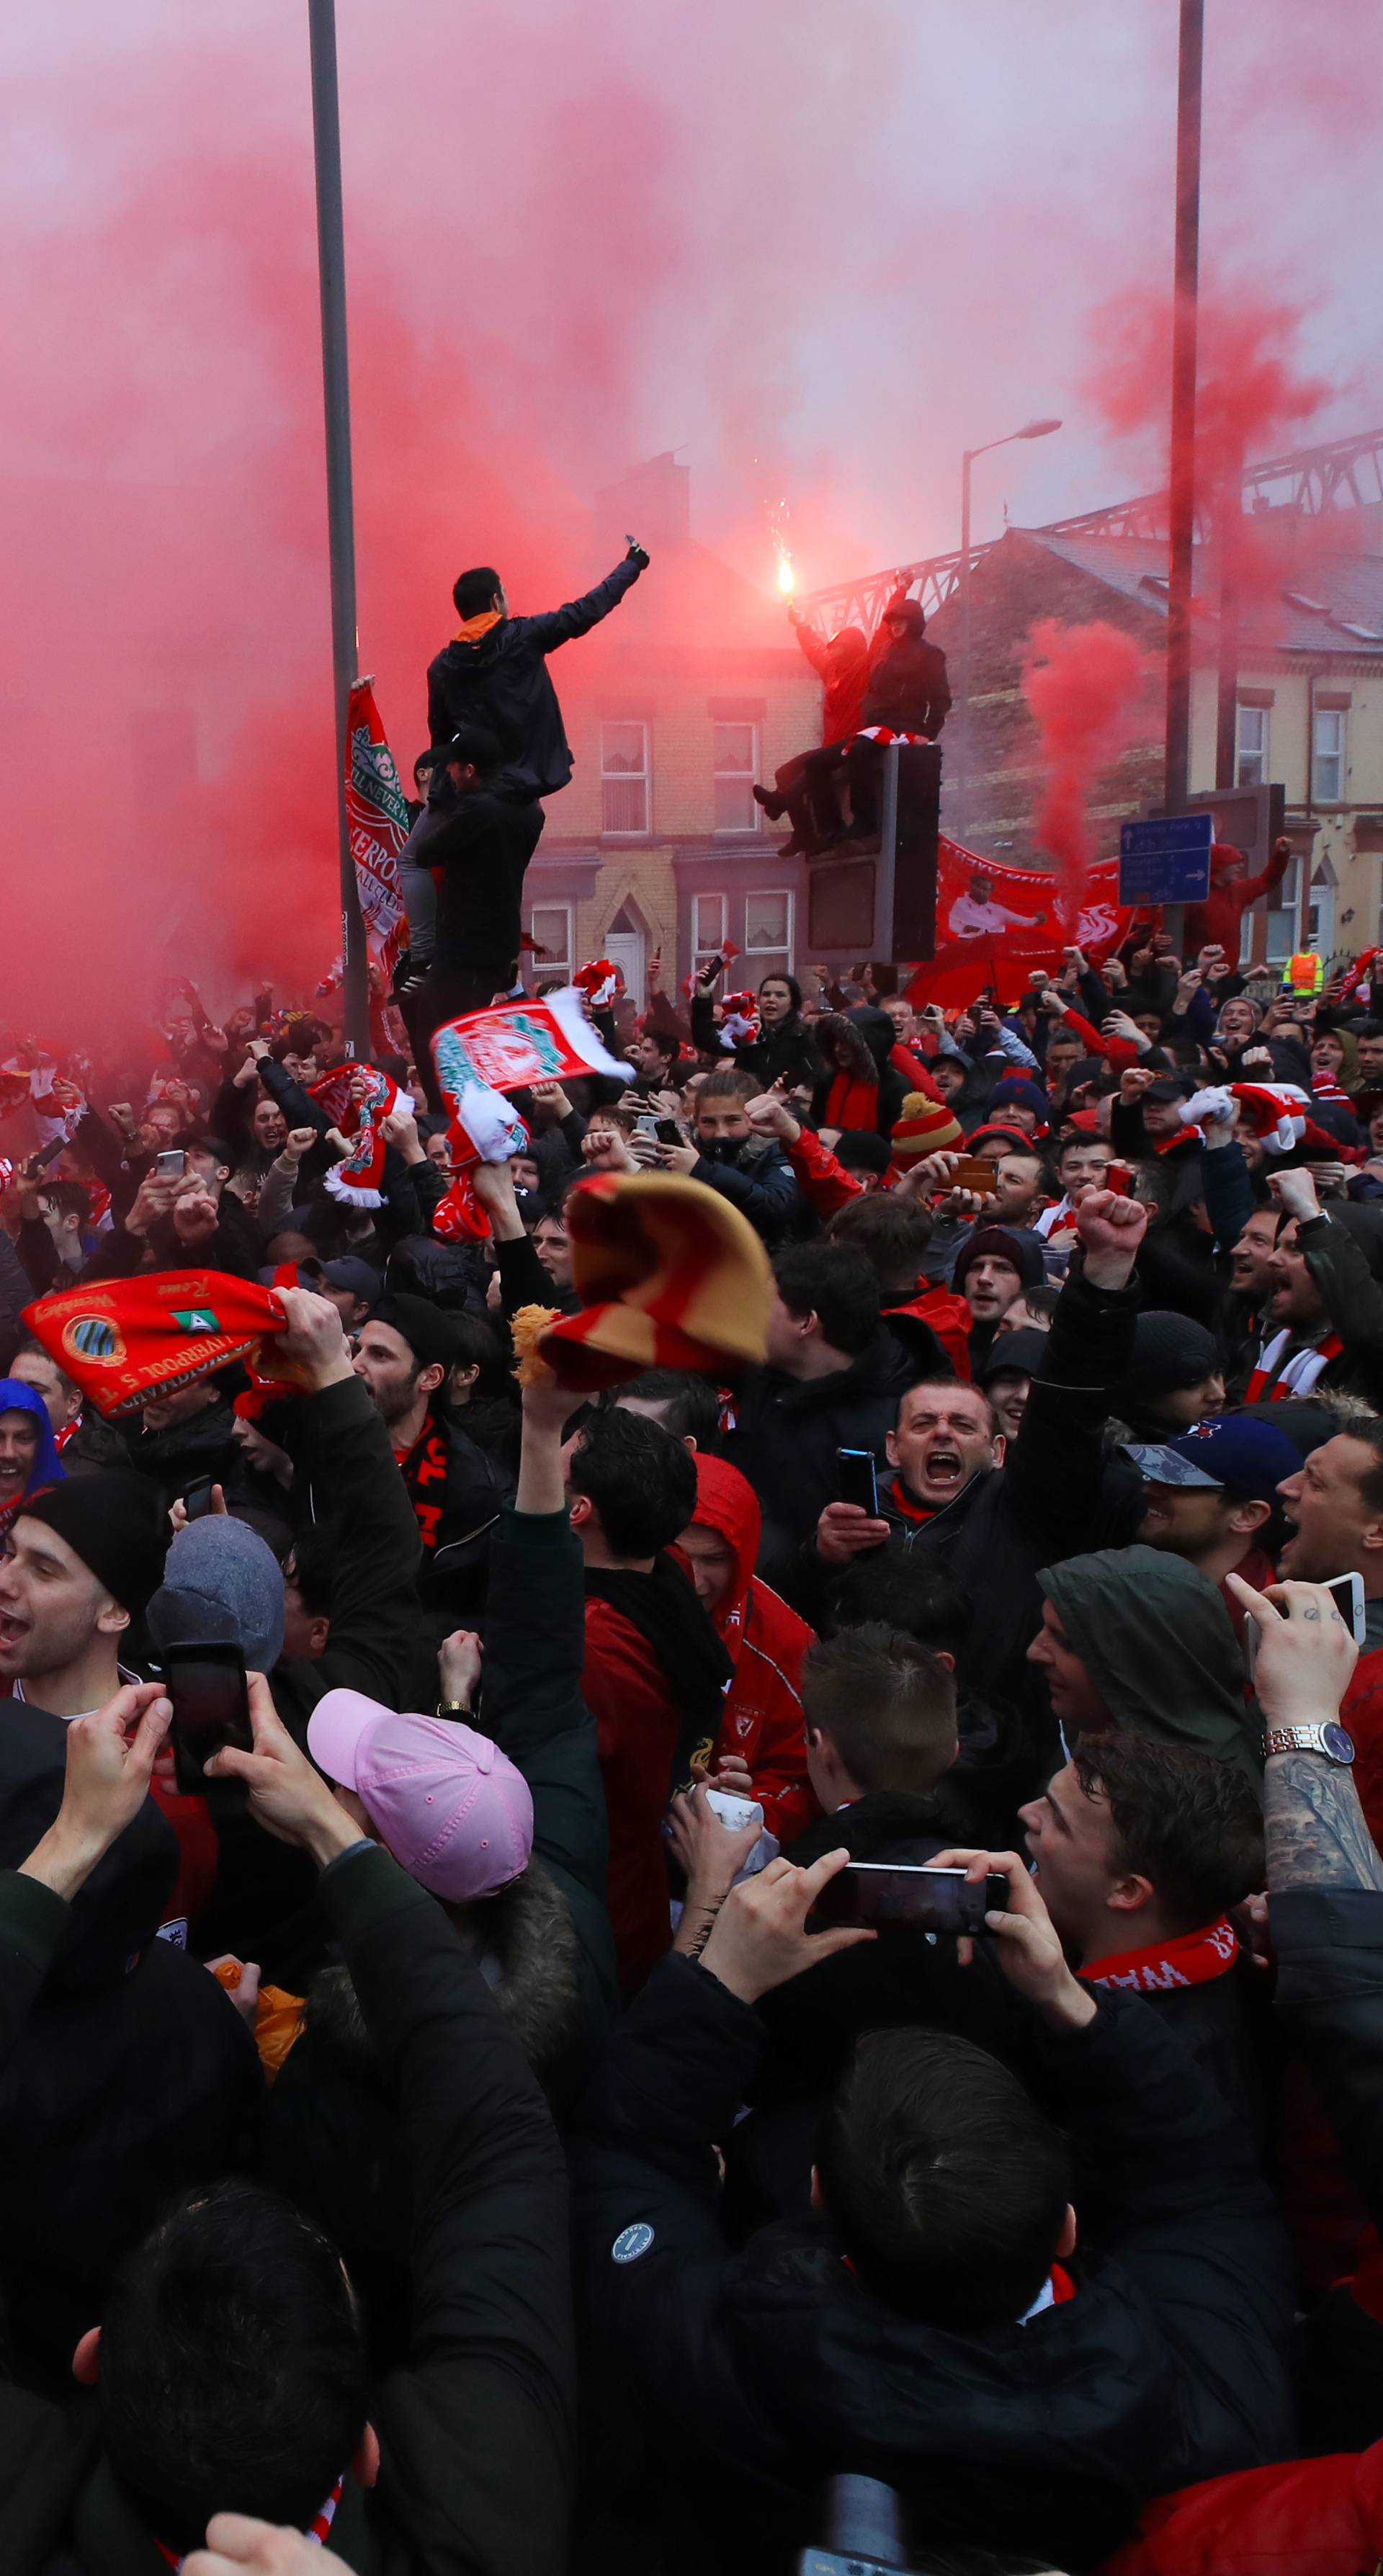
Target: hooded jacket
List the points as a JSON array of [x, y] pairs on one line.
[[766, 1642], [500, 681], [908, 688], [16, 1397], [842, 1099], [1155, 1638]]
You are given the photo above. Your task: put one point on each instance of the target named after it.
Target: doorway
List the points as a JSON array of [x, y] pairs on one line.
[[626, 948]]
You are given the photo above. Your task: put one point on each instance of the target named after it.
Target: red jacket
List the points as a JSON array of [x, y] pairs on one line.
[[637, 1728], [1361, 1710], [1217, 920], [842, 661], [1320, 2517], [763, 1707]]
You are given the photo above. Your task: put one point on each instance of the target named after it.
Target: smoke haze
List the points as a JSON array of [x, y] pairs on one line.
[[818, 251]]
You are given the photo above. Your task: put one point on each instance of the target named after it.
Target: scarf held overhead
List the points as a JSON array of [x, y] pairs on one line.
[[357, 1098], [125, 1342]]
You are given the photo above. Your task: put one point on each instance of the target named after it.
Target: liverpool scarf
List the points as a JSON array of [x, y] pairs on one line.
[[357, 1098], [1193, 1959], [484, 1055], [125, 1342], [1280, 1371]]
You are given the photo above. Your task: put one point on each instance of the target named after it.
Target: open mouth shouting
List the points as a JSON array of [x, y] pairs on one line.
[[942, 1473]]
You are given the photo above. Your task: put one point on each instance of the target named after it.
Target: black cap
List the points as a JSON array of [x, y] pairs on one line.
[[115, 1523]]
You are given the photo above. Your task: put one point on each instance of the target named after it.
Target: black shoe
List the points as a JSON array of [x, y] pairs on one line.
[[772, 805]]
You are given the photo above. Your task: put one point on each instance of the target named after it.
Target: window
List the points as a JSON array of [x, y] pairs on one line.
[[1253, 747], [736, 764], [1328, 756], [1282, 920], [550, 924], [708, 928], [624, 778], [768, 934]]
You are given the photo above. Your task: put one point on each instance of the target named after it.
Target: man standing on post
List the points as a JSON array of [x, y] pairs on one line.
[[494, 674]]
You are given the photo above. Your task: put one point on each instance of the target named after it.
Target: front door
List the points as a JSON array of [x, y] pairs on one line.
[[625, 949]]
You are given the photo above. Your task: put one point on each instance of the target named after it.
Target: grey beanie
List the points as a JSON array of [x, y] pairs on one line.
[[230, 1565]]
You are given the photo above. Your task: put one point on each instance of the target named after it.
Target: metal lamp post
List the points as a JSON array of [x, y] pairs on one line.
[[336, 387], [1030, 429]]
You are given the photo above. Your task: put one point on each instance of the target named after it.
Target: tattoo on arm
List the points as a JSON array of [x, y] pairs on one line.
[[1315, 1827]]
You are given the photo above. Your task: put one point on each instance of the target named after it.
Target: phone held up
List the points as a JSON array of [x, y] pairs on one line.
[[884, 1894], [171, 1164], [196, 1501], [211, 1708], [858, 1478]]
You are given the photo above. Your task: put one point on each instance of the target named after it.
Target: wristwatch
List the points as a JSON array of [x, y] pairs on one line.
[[1330, 1740], [462, 1708]]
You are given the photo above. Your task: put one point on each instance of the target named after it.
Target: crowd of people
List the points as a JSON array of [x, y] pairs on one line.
[[512, 2108]]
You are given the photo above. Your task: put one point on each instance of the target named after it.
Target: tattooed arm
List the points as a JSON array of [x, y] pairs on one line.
[[1316, 1834]]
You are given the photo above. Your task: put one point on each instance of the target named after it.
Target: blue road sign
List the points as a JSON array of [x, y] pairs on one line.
[[1165, 860]]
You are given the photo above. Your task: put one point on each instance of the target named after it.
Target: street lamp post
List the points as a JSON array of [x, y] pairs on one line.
[[1030, 429], [331, 260]]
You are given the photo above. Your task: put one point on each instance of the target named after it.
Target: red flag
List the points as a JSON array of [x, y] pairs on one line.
[[995, 923], [377, 820]]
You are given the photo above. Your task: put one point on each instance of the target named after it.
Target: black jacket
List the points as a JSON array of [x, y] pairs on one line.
[[462, 1508], [1041, 1505], [787, 1431], [1168, 2365], [908, 689], [758, 1179], [502, 683], [785, 1053], [477, 2425], [1328, 1943], [131, 2078]]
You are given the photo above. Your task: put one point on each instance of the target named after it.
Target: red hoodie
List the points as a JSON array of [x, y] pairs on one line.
[[763, 1707]]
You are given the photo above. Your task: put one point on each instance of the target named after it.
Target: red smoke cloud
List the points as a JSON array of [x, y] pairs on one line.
[[1082, 685]]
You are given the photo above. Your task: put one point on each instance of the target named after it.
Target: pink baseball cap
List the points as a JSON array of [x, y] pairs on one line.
[[452, 1808]]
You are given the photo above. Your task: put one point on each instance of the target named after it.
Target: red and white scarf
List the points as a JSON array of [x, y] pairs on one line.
[[316, 2530], [1276, 1375], [357, 1180], [1193, 1959]]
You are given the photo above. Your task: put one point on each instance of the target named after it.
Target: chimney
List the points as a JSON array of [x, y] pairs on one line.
[[652, 502]]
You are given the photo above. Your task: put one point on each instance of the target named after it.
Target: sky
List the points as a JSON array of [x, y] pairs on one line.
[[817, 249]]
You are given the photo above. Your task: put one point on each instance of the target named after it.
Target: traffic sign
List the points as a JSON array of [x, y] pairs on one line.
[[1165, 859]]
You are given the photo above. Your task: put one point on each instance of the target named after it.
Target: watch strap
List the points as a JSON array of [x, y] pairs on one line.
[[1298, 1739]]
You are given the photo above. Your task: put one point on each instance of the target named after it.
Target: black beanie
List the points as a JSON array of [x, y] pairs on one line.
[[116, 1524], [424, 1327], [1169, 1352]]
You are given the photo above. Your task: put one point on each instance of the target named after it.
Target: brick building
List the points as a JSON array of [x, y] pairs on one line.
[[1310, 674], [693, 689]]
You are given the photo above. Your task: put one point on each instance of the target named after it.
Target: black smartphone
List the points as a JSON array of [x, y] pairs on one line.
[[206, 1684], [880, 1893], [196, 1501], [667, 1131], [858, 1478]]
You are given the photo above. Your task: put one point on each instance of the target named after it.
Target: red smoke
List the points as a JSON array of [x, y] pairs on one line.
[[1082, 685], [1252, 391]]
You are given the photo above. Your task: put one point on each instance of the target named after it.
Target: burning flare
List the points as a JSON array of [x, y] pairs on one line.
[[787, 578]]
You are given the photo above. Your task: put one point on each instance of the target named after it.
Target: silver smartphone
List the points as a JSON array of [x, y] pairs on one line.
[[1347, 1593]]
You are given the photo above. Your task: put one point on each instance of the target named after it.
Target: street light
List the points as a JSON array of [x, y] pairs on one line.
[[1030, 429]]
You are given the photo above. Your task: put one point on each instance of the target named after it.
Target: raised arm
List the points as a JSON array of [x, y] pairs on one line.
[[1054, 1469], [556, 626]]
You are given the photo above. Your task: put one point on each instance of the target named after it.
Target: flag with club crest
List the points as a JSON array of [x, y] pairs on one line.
[[377, 821]]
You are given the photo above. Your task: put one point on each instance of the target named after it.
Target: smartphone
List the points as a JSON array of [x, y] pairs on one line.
[[196, 1501], [974, 1172], [647, 1125], [667, 1131], [929, 1900], [858, 1478], [1347, 1593], [206, 1684], [172, 1164]]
